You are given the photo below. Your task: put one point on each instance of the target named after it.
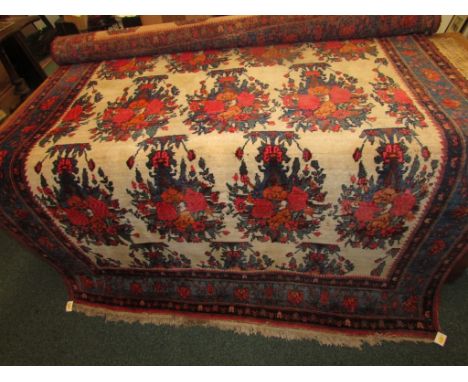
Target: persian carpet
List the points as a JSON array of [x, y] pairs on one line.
[[300, 189]]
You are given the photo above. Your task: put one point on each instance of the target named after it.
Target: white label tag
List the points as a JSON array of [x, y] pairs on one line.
[[69, 306], [440, 339]]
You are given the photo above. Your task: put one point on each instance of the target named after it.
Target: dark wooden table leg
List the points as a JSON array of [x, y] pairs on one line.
[[21, 88]]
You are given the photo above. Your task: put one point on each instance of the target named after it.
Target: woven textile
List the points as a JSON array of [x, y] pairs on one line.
[[299, 187]]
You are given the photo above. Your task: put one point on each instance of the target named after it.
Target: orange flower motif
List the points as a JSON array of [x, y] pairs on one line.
[[295, 297], [318, 90], [431, 75], [171, 195], [384, 196], [184, 220], [451, 103], [325, 110], [275, 193], [281, 218]]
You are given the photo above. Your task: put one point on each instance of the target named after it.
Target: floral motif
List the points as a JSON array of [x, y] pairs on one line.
[[157, 255], [317, 259], [177, 202], [350, 50], [235, 103], [146, 111], [373, 213], [269, 55], [193, 62], [78, 114], [399, 104], [287, 202], [83, 205], [322, 98], [235, 257], [125, 67]]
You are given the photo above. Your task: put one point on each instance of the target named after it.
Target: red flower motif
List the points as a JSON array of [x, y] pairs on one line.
[[297, 199], [403, 204], [410, 305], [439, 245], [288, 101], [308, 102], [130, 162], [393, 151], [241, 294], [426, 154], [239, 153], [91, 165], [194, 106], [166, 211], [262, 209], [86, 282], [122, 115], [366, 212], [73, 114], [210, 289], [401, 97], [350, 303], [161, 157], [239, 203], [65, 165], [154, 107], [357, 154], [46, 105], [214, 106], [451, 103], [76, 217], [306, 155], [98, 207], [136, 288], [295, 297], [324, 297], [333, 45], [341, 114], [339, 95], [191, 155], [184, 57], [37, 167], [272, 152], [184, 292], [257, 51], [199, 226], [245, 99], [195, 201]]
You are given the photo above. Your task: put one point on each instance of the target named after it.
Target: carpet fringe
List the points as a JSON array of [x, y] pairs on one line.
[[322, 337]]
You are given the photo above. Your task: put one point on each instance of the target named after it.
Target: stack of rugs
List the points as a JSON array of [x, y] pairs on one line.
[[302, 177]]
